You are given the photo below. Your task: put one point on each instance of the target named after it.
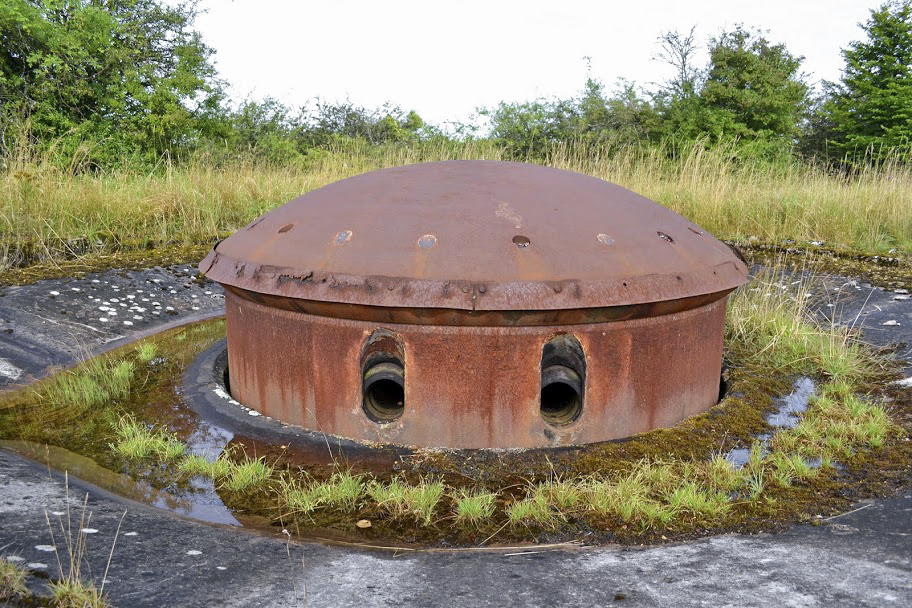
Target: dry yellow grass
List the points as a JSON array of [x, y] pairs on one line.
[[48, 213]]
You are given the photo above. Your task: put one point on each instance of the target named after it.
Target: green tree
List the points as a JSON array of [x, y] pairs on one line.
[[871, 107], [131, 74], [754, 88], [751, 90], [331, 122]]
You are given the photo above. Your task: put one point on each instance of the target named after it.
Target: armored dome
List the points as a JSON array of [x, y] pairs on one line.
[[475, 235]]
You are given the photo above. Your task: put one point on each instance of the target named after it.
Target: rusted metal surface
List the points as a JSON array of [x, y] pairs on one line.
[[474, 304], [475, 387], [475, 235]]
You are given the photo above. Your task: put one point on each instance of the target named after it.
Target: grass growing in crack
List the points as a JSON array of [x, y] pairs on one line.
[[563, 495], [137, 442], [771, 322], [71, 592], [12, 580], [721, 475], [296, 498], [691, 498], [473, 506]]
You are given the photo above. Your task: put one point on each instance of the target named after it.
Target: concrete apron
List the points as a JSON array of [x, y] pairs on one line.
[[862, 558]]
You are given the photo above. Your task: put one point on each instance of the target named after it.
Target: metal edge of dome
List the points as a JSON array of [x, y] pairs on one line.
[[402, 292]]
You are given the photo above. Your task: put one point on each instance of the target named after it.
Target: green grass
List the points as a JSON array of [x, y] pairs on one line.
[[399, 499], [75, 593], [72, 588], [342, 491], [12, 580], [249, 474], [473, 506], [721, 476], [136, 441], [296, 498], [146, 351], [49, 214], [195, 464], [770, 322], [532, 509], [90, 384]]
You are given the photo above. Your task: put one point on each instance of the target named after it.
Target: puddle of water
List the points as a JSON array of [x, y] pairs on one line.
[[792, 404], [785, 417], [202, 504]]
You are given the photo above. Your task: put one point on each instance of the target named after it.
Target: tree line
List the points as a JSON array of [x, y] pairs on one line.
[[115, 82]]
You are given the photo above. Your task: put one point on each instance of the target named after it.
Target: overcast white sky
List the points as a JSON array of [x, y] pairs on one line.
[[444, 59]]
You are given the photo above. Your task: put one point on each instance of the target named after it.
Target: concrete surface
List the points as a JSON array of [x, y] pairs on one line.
[[862, 558]]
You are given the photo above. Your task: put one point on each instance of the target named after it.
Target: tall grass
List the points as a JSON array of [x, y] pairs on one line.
[[49, 213], [90, 384], [772, 322]]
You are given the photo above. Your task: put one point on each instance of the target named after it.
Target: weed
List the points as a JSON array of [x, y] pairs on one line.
[[772, 324], [146, 351], [90, 384], [534, 508], [195, 464], [561, 494], [136, 442], [342, 491], [71, 589], [473, 506], [71, 592], [295, 498], [691, 498], [398, 498], [12, 580], [247, 475], [721, 475]]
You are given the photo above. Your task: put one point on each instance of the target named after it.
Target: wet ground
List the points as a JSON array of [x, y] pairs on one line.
[[858, 559]]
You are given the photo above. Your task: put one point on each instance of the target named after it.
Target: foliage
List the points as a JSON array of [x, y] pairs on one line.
[[12, 580], [871, 108], [105, 79], [751, 91], [531, 130]]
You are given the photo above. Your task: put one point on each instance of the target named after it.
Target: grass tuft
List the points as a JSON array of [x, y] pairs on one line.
[[12, 580], [342, 491], [69, 592], [137, 442], [196, 464], [91, 384], [398, 498], [532, 509], [146, 351], [247, 475], [473, 506]]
